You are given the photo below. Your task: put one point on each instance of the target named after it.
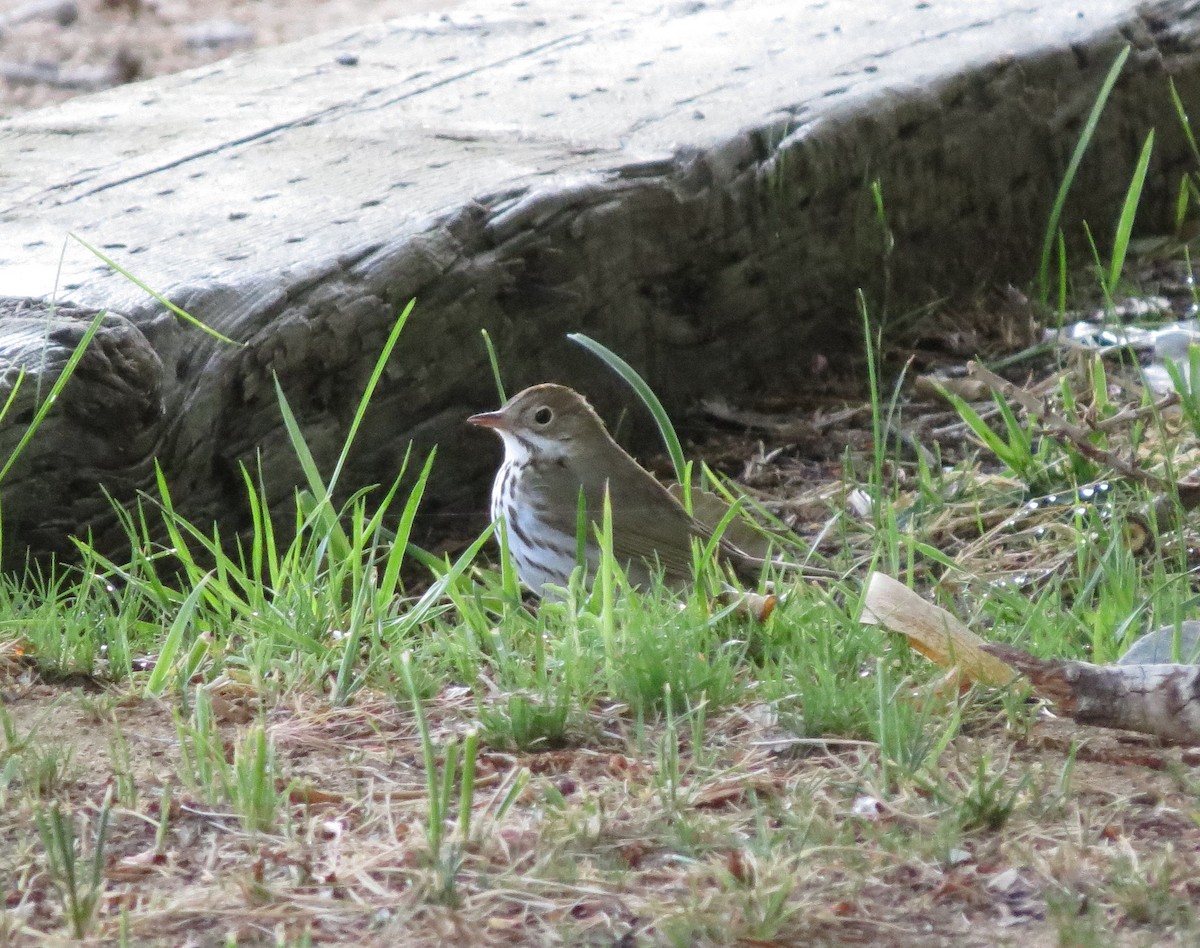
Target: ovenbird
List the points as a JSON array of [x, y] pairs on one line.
[[557, 448]]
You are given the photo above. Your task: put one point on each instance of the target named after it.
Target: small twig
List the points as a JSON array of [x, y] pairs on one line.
[[64, 12], [1128, 415], [1058, 426]]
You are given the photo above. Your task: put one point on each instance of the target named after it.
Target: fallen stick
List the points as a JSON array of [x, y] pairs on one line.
[[64, 12], [123, 68], [1163, 700]]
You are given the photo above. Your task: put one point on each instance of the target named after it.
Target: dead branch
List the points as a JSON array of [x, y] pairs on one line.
[[1163, 700], [1058, 426]]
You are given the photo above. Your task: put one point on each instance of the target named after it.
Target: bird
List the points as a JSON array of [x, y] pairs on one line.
[[557, 449]]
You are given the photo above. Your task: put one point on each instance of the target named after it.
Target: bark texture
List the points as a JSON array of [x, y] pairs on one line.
[[1163, 700]]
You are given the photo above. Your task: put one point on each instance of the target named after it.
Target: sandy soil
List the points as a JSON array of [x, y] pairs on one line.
[[51, 50]]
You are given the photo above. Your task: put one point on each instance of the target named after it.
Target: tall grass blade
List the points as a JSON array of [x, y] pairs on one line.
[[1128, 212], [321, 509], [645, 393], [1060, 200], [55, 390], [372, 383], [1185, 123], [391, 572], [495, 364], [157, 682], [182, 314]]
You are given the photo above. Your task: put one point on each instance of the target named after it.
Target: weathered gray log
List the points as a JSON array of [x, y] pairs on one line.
[[1163, 700], [104, 429], [686, 182]]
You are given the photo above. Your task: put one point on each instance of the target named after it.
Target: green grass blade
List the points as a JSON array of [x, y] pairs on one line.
[[1128, 212], [433, 827], [1185, 123], [645, 393], [55, 390], [1109, 304], [1063, 274], [157, 682], [315, 504], [1085, 139], [12, 393], [391, 574], [1019, 445], [495, 364], [372, 383], [581, 530], [421, 610], [308, 463], [1183, 201], [319, 505], [467, 784], [992, 441], [185, 316]]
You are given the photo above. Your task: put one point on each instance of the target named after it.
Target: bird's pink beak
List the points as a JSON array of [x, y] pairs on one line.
[[489, 419]]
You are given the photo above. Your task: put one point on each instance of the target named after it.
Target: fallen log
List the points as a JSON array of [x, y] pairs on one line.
[[1159, 699], [1163, 700], [687, 183]]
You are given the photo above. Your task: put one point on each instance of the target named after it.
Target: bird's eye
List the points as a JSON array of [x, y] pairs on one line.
[[543, 415]]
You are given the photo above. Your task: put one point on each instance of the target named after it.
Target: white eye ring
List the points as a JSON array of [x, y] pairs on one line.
[[543, 416]]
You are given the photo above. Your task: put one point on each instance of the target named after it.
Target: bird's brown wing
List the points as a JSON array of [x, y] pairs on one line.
[[648, 523], [670, 531]]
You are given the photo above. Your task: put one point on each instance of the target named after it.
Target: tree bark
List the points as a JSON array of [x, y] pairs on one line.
[[1163, 700]]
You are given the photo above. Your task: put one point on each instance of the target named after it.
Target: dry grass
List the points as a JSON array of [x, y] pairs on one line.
[[774, 841]]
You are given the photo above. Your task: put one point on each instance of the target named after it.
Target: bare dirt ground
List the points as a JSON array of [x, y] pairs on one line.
[[355, 868], [51, 50]]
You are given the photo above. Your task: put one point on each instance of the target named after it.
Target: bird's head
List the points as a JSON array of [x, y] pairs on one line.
[[547, 421]]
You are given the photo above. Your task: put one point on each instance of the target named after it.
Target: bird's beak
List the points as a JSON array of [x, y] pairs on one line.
[[489, 419]]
